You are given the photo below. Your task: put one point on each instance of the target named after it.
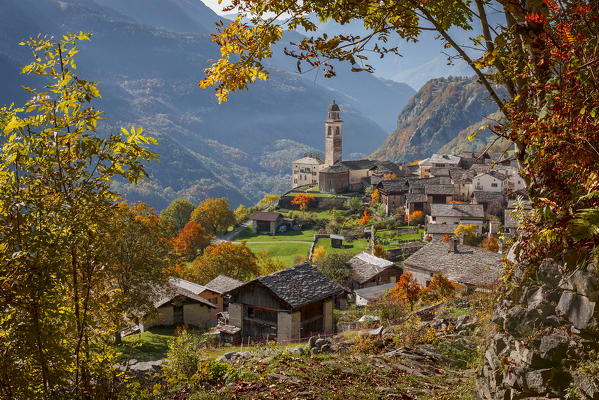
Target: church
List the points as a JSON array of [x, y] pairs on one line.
[[333, 175]]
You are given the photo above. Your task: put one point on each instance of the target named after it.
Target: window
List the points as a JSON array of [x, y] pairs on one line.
[[213, 300], [251, 312], [493, 184], [329, 130], [336, 130]]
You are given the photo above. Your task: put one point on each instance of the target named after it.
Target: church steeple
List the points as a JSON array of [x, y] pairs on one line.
[[333, 132]]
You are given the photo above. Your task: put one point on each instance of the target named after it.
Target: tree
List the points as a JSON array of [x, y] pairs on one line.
[[544, 55], [303, 200], [267, 264], [56, 207], [191, 240], [318, 254], [440, 287], [416, 217], [375, 197], [490, 243], [390, 176], [213, 215], [234, 260], [365, 217], [177, 214], [379, 251], [469, 231], [353, 204], [241, 213], [267, 201], [141, 258], [407, 290], [335, 267]]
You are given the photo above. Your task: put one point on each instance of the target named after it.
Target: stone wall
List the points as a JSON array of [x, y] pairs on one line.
[[319, 203], [327, 312], [236, 315], [197, 315], [544, 327]]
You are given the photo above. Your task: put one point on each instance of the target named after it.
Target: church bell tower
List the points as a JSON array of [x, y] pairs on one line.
[[333, 132]]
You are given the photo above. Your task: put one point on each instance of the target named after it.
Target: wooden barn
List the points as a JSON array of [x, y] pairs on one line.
[[289, 304]]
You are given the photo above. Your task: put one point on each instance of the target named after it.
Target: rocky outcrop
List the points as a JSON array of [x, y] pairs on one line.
[[544, 328]]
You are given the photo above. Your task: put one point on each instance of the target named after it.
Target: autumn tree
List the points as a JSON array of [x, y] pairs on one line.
[[390, 176], [318, 254], [407, 289], [543, 54], [365, 217], [375, 198], [379, 251], [469, 231], [335, 267], [57, 299], [490, 243], [231, 259], [241, 213], [440, 287], [141, 258], [178, 213], [267, 264], [191, 240], [214, 215], [303, 200], [416, 217], [267, 200]]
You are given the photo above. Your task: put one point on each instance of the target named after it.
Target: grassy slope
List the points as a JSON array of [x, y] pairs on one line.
[[287, 253]]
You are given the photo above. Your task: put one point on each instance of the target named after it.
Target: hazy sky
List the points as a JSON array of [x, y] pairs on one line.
[[215, 6]]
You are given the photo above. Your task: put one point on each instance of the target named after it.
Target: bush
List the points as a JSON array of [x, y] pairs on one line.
[[183, 357], [387, 309], [212, 373]]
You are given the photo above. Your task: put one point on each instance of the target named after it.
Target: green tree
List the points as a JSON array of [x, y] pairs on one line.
[[55, 210], [335, 267], [141, 259], [241, 213], [214, 215], [178, 213], [353, 204]]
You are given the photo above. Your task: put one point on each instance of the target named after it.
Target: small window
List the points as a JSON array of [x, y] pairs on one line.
[[329, 131], [336, 130], [493, 185], [251, 312], [213, 300]]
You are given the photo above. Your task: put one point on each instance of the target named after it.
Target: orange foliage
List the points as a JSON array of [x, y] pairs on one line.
[[415, 218], [441, 287], [375, 197], [190, 240], [490, 243], [303, 200], [445, 238], [407, 290], [390, 176], [454, 202], [233, 260], [365, 217]]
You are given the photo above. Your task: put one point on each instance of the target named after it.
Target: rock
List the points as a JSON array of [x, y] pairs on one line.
[[376, 331], [538, 381], [312, 341], [326, 348], [146, 366], [512, 377], [320, 342], [583, 283], [553, 347], [578, 309], [548, 272], [315, 350]]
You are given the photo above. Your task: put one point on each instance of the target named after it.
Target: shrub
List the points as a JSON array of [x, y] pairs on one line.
[[183, 357]]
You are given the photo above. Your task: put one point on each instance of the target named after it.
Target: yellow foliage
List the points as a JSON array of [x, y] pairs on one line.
[[467, 230], [318, 254]]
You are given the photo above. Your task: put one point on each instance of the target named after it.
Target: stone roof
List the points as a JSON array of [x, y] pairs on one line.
[[416, 198], [309, 161], [469, 265], [334, 169], [475, 211], [359, 164], [422, 182], [494, 174], [366, 266], [439, 171], [487, 197], [399, 185], [181, 287], [298, 285], [438, 189], [373, 293], [222, 284], [443, 159], [333, 106], [265, 216], [440, 229]]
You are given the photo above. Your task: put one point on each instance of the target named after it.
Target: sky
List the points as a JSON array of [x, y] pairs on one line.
[[213, 4]]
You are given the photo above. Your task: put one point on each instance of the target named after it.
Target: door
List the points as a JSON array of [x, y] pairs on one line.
[[178, 315]]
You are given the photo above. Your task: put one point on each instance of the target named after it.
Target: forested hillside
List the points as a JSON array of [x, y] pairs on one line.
[[148, 77], [434, 116]]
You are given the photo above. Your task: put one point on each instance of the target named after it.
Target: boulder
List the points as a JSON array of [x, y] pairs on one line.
[[538, 381], [320, 342], [577, 309], [553, 347], [583, 283], [548, 272], [312, 341]]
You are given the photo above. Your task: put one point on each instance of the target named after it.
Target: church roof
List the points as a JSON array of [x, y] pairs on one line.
[[309, 161], [333, 107], [359, 164]]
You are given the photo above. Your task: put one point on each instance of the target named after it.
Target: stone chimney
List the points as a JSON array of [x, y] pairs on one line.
[[453, 245]]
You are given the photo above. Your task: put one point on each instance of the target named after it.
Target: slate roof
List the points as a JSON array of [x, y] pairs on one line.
[[494, 174], [487, 197], [439, 171], [440, 229], [399, 185], [298, 285], [222, 284], [438, 189], [422, 182], [416, 198], [458, 210], [265, 216], [359, 164], [336, 168], [181, 287], [309, 160], [373, 293], [366, 266], [443, 159], [469, 265], [388, 166]]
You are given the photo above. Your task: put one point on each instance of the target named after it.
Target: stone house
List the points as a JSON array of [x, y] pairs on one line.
[[437, 161], [393, 194], [439, 231], [372, 293], [369, 270], [439, 194], [493, 202], [417, 202], [305, 170], [457, 214], [490, 181], [266, 222], [220, 285], [183, 302], [289, 304], [466, 265]]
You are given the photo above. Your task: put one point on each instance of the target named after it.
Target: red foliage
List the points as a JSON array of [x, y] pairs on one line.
[[407, 289], [365, 217], [190, 240], [303, 200]]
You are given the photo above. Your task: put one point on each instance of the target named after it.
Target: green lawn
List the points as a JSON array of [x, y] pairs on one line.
[[403, 237], [302, 236], [148, 346], [354, 247], [284, 252]]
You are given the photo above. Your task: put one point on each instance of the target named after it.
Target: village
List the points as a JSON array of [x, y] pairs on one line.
[[363, 245]]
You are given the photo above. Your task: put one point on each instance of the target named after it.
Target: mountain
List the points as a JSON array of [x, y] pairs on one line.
[[148, 67], [484, 138], [434, 116]]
